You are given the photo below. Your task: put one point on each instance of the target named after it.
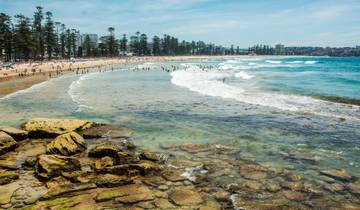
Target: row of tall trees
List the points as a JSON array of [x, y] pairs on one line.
[[262, 50], [39, 37]]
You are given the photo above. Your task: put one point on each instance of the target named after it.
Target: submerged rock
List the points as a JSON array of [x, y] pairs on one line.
[[354, 188], [7, 177], [7, 143], [43, 127], [184, 197], [17, 134], [338, 174], [127, 194], [48, 166], [66, 144], [103, 130], [163, 204], [146, 155]]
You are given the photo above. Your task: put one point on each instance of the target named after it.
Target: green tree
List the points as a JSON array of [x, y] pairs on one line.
[[50, 36], [22, 37], [143, 45], [156, 46], [38, 32], [63, 41], [123, 44], [6, 37], [111, 42]]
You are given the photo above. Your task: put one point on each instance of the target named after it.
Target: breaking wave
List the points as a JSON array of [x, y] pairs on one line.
[[211, 83]]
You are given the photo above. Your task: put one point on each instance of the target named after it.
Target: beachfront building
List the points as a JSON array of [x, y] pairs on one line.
[[279, 49]]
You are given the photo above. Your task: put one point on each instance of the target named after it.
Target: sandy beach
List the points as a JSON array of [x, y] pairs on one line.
[[23, 75]]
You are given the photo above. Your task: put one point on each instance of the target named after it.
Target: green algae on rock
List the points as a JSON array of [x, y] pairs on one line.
[[7, 177]]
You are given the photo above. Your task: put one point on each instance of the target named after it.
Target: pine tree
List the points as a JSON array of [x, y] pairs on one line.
[[156, 46], [143, 44], [50, 36], [123, 44], [22, 37], [111, 42], [6, 37], [63, 41], [38, 32]]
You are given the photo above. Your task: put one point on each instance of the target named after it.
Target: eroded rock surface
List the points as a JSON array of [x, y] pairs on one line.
[[7, 143], [17, 134], [48, 166], [44, 127], [66, 144]]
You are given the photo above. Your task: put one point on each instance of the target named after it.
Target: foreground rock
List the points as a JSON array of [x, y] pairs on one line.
[[7, 143], [17, 134], [66, 144], [48, 166], [43, 127]]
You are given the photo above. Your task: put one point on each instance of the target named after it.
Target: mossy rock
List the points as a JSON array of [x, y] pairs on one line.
[[7, 177]]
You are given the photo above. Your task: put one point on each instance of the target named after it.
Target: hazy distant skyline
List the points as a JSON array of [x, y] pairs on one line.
[[244, 23]]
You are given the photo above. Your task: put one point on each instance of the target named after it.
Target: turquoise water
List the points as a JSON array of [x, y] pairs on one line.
[[268, 107]]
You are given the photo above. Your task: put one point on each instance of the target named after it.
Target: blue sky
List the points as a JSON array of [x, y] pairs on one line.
[[239, 22]]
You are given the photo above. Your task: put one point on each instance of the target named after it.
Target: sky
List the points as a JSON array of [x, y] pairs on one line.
[[334, 23]]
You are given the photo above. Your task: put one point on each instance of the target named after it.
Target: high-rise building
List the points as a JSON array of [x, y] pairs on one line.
[[279, 49]]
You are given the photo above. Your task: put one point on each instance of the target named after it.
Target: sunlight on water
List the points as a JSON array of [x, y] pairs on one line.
[[264, 106]]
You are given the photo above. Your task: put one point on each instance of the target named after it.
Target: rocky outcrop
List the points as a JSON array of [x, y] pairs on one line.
[[43, 127], [103, 130], [7, 143], [48, 166], [17, 134], [105, 149], [66, 144]]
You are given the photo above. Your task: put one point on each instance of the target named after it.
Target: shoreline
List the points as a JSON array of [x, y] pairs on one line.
[[37, 72], [19, 78]]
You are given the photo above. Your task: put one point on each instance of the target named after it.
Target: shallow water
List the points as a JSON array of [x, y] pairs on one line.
[[268, 107]]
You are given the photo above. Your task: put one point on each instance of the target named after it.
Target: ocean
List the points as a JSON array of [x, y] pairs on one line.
[[269, 107]]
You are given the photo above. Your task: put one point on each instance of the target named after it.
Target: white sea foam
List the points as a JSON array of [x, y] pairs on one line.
[[243, 75], [273, 62], [75, 93], [210, 83], [310, 62], [27, 90], [295, 62]]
